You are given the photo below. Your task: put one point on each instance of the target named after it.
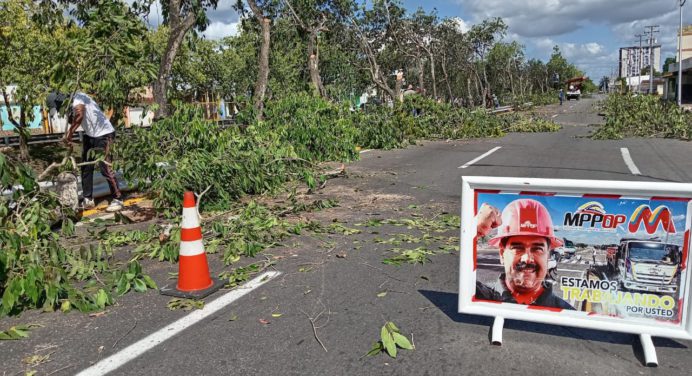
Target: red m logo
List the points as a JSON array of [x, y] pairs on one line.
[[652, 219]]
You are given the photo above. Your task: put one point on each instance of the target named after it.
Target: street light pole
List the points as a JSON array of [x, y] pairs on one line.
[[682, 2]]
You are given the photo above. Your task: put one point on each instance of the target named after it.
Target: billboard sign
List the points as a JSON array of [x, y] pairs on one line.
[[598, 254]]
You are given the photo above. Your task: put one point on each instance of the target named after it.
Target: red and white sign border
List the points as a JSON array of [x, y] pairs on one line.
[[471, 185]]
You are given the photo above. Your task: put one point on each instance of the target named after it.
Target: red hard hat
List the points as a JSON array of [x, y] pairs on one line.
[[526, 217]]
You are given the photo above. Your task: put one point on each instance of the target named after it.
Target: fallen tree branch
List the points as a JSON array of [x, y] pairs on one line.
[[314, 327], [126, 334]]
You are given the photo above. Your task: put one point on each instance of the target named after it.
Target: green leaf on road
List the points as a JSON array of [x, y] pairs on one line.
[[18, 332], [388, 341], [402, 341]]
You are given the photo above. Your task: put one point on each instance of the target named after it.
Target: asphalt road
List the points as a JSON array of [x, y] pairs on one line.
[[331, 287]]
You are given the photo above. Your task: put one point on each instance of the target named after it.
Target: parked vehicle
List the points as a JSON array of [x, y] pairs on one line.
[[567, 250], [574, 88], [647, 265]]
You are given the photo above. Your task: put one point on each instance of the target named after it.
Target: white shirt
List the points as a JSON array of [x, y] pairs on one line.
[[95, 122]]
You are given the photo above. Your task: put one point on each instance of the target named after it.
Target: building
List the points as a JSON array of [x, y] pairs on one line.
[[671, 78], [671, 75], [634, 59], [686, 43]]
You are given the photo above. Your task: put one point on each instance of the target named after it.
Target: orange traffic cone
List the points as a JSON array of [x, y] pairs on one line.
[[194, 281]]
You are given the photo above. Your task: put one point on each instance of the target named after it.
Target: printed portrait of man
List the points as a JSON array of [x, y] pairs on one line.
[[524, 240]]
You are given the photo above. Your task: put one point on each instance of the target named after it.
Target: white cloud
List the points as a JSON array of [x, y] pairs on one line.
[[536, 18], [218, 30], [538, 22], [461, 25], [223, 21]]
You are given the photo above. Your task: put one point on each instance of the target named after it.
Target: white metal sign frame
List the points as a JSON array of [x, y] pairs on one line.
[[467, 275]]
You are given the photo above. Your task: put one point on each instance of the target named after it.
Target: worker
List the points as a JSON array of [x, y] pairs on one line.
[[524, 239], [99, 133], [561, 95]]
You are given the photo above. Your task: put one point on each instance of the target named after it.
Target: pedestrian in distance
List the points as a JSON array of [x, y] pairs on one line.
[[99, 133], [594, 256], [561, 95], [524, 240], [496, 101], [409, 91]]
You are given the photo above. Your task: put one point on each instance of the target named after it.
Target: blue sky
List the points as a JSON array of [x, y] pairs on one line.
[[558, 206], [589, 32]]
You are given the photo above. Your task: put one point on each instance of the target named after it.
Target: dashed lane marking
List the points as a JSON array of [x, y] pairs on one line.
[[138, 348], [629, 162], [469, 163]]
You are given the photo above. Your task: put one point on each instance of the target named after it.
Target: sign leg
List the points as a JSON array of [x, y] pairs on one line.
[[649, 350], [496, 337]]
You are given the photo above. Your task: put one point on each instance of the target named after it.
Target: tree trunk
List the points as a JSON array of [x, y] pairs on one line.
[[314, 64], [23, 135], [444, 73], [263, 59], [468, 92], [511, 78], [21, 126], [263, 75], [432, 73], [178, 30], [374, 67], [421, 72]]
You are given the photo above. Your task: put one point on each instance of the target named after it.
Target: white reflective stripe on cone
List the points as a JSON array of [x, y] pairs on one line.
[[190, 219], [191, 248]]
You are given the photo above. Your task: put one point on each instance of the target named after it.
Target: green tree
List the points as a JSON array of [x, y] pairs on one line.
[[669, 60], [180, 16], [107, 55], [312, 18], [24, 46], [483, 36], [559, 65]]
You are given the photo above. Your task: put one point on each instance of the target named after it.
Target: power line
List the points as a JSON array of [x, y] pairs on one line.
[[650, 32]]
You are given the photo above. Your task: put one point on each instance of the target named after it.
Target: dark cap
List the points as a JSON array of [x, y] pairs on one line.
[[55, 100]]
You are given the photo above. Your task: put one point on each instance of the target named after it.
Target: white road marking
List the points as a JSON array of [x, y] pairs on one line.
[[629, 162], [365, 151], [138, 348], [568, 270], [468, 164], [554, 116]]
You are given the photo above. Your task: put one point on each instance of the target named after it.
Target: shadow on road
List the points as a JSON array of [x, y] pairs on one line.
[[447, 302]]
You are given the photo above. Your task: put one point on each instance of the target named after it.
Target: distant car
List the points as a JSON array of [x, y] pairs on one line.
[[567, 250]]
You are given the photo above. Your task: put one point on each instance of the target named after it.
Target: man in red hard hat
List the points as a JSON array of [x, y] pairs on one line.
[[525, 237]]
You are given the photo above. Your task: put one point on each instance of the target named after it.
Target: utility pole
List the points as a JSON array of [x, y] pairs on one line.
[[652, 30], [682, 2], [639, 65]]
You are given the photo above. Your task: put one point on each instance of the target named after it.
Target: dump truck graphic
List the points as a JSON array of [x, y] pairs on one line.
[[646, 265]]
